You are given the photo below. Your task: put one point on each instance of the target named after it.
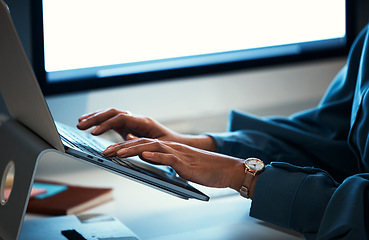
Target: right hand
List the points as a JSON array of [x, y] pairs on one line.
[[193, 164], [129, 126]]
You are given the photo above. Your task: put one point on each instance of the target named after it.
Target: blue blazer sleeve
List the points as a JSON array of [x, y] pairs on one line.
[[316, 137], [309, 201], [317, 179]]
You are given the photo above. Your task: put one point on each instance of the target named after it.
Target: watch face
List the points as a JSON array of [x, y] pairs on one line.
[[254, 164]]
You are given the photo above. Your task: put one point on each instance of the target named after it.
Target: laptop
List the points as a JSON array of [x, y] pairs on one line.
[[31, 129], [26, 104]]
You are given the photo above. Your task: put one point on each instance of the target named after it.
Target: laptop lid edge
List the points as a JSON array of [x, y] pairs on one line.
[[19, 87]]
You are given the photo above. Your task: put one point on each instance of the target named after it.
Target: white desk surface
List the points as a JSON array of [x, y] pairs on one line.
[[155, 215]]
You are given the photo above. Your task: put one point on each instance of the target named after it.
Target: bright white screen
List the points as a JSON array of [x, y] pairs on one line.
[[90, 33]]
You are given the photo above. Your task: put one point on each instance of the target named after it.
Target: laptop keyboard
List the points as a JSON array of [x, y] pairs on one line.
[[86, 143]]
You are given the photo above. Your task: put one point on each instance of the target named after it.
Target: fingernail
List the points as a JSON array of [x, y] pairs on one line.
[[96, 130], [111, 154], [130, 136], [122, 152], [82, 123], [108, 151]]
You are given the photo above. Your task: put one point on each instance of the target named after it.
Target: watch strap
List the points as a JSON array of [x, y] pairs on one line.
[[246, 184]]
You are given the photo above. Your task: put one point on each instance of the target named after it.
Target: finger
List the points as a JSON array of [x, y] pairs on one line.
[[96, 118], [139, 141], [111, 151], [160, 158], [131, 137], [85, 116], [88, 120], [117, 123], [107, 122], [124, 123], [154, 146]]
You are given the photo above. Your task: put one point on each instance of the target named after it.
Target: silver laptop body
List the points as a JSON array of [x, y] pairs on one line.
[[21, 150], [26, 104]]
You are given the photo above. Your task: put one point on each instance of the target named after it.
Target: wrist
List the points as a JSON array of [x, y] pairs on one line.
[[203, 142], [238, 173], [253, 168]]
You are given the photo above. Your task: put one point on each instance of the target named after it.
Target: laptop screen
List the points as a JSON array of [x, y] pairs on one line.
[[122, 42]]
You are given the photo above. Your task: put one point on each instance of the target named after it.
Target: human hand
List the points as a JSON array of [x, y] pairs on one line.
[[196, 165], [124, 123], [130, 126]]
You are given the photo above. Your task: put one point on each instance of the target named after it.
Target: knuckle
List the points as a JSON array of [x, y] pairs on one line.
[[112, 111], [143, 140], [159, 145], [172, 160], [178, 146], [148, 120], [120, 115]]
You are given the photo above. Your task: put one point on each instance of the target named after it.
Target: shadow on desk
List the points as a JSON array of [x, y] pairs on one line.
[[154, 215], [220, 219]]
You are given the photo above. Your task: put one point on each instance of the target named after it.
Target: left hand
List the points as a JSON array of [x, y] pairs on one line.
[[196, 165], [127, 124]]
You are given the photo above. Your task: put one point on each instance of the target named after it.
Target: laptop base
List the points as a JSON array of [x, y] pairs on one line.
[[21, 149]]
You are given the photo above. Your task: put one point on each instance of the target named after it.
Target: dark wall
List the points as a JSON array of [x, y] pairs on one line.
[[362, 14], [19, 9]]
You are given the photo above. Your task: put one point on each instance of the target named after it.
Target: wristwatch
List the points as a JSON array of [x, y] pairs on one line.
[[253, 167]]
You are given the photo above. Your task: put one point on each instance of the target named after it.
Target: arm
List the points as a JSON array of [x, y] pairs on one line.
[[324, 137], [315, 137], [193, 164], [130, 126], [309, 201], [305, 198]]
